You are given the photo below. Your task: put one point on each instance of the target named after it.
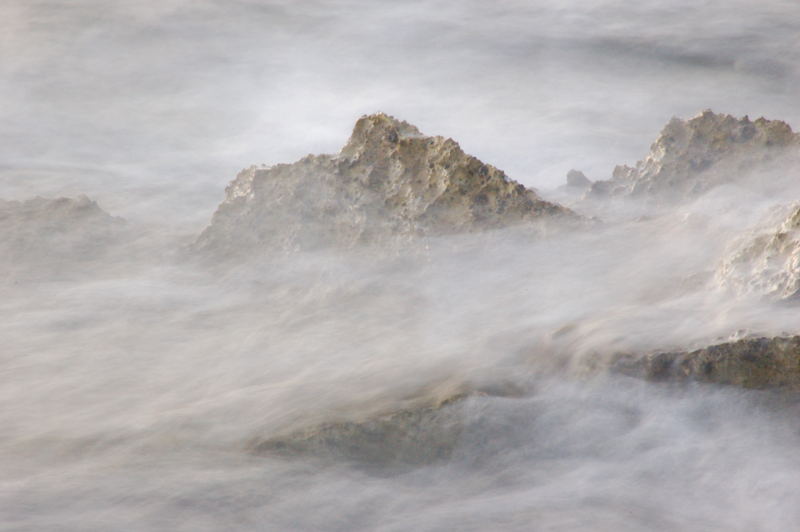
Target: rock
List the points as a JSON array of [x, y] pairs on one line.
[[577, 179], [389, 181], [423, 431], [766, 264], [692, 156], [763, 363], [47, 233], [405, 438]]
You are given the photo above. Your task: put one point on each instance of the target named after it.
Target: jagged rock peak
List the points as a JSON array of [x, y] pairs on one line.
[[692, 156], [767, 263], [378, 130], [388, 181]]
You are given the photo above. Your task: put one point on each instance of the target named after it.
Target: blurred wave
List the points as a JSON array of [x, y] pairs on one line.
[[135, 383]]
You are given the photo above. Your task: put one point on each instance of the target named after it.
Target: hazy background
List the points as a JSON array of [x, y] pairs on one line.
[[155, 105], [134, 382]]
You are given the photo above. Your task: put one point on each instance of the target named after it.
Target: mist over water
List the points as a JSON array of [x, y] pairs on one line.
[[135, 379], [139, 101]]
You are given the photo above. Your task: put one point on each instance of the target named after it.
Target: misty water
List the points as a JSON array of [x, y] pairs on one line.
[[138, 381]]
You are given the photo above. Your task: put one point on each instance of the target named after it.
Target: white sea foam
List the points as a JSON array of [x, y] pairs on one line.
[[133, 385]]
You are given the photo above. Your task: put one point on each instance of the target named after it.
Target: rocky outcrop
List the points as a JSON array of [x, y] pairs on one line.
[[692, 156], [389, 181], [767, 263], [577, 179], [763, 363], [45, 233], [431, 430]]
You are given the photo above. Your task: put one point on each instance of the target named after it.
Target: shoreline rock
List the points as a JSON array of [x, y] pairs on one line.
[[42, 235], [690, 157], [388, 182], [766, 264], [758, 363], [577, 179], [420, 431], [429, 431], [399, 439]]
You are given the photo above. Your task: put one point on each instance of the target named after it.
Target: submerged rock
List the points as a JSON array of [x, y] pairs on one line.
[[404, 438], [426, 431], [692, 156], [432, 430], [389, 181], [577, 179], [763, 363], [766, 264], [44, 234]]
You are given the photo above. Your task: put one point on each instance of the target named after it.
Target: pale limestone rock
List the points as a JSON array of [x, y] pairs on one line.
[[767, 263], [692, 156], [389, 181]]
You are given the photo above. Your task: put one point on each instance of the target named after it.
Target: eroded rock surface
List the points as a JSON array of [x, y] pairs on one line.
[[389, 181], [766, 264], [692, 156], [763, 363]]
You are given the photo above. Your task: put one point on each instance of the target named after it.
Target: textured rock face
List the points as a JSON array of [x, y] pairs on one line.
[[389, 181], [692, 156], [767, 264], [425, 432], [43, 232], [750, 363]]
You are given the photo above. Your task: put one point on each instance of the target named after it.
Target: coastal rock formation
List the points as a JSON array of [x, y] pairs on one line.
[[762, 363], [388, 181], [424, 430], [577, 179], [767, 264], [43, 233], [404, 438], [692, 156], [430, 431]]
